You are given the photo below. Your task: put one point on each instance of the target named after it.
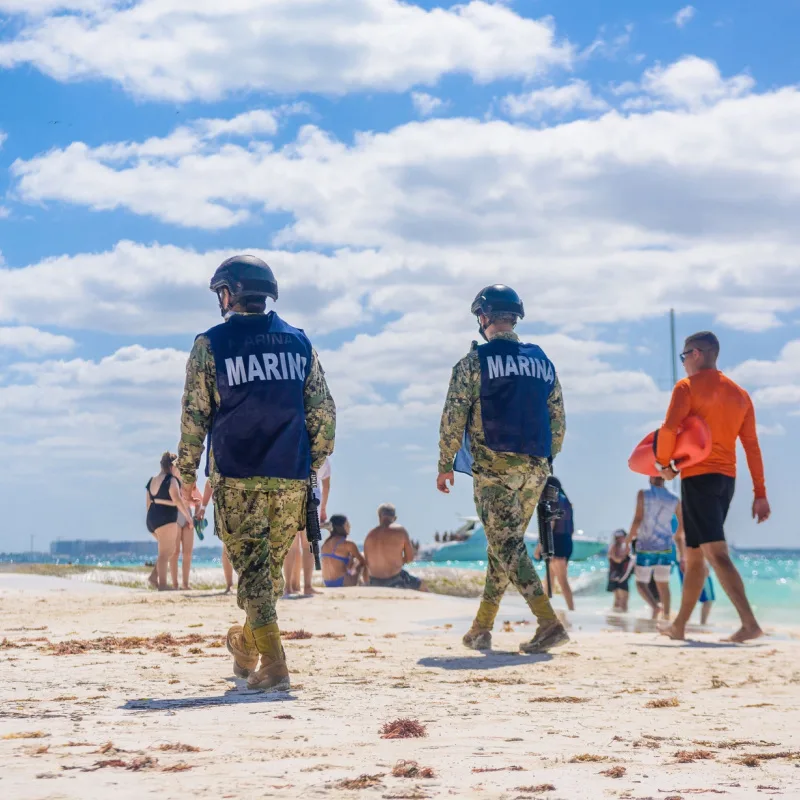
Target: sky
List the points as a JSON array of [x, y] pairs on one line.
[[387, 159]]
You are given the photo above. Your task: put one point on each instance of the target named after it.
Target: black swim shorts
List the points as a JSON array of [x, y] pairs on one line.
[[705, 500], [400, 581]]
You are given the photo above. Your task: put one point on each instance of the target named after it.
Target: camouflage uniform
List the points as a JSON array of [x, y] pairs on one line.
[[507, 487], [256, 518]]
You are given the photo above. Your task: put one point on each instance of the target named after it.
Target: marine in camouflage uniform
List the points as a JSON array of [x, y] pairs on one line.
[[507, 487], [256, 518]]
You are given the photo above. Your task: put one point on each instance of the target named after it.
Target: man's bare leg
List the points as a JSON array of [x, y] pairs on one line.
[[559, 567], [664, 595], [644, 593], [308, 565], [719, 558], [705, 612], [693, 579], [291, 569], [227, 570]]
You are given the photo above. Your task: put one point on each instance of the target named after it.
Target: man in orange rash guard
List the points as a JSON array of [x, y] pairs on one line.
[[707, 488]]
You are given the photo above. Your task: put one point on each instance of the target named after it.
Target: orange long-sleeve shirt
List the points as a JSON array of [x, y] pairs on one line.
[[728, 411]]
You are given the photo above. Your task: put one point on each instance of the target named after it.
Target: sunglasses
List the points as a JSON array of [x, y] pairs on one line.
[[689, 352]]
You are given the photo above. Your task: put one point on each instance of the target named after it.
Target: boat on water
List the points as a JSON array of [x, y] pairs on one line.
[[470, 545]]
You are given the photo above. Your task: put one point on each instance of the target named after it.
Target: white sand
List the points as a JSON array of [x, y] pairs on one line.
[[482, 712]]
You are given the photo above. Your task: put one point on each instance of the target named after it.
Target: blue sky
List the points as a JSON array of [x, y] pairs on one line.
[[609, 161]]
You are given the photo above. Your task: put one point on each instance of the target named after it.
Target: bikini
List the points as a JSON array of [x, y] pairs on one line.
[[344, 559], [160, 514]]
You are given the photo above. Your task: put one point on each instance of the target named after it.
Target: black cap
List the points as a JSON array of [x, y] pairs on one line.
[[498, 299], [245, 276]]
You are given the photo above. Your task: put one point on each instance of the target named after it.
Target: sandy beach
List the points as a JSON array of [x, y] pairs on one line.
[[88, 712]]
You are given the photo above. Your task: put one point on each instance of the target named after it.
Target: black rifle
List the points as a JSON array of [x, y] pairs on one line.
[[313, 532], [547, 512]]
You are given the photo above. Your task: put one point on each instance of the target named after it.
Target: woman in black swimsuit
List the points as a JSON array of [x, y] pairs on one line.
[[163, 503]]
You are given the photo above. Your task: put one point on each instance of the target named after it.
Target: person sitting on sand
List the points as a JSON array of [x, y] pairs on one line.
[[652, 532], [620, 567], [387, 550], [707, 487], [342, 563], [164, 501]]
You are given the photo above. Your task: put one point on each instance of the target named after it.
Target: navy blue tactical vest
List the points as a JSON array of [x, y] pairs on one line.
[[259, 430], [516, 382]]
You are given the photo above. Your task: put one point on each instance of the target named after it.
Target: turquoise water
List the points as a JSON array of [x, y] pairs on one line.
[[772, 583]]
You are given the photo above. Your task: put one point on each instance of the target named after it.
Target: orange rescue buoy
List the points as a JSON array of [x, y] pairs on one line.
[[693, 445]]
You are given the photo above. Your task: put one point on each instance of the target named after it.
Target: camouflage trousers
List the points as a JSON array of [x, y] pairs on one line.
[[505, 505], [257, 528]]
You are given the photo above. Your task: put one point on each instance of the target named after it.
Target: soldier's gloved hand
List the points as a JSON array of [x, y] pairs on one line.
[[443, 479]]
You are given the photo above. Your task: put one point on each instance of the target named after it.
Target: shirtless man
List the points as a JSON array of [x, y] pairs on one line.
[[387, 550]]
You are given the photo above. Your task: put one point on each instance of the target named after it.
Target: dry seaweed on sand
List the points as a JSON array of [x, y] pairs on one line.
[[538, 789], [669, 702], [614, 772], [331, 636], [181, 766], [114, 644], [301, 634], [565, 699], [361, 782], [403, 729], [755, 759], [178, 747], [27, 735], [513, 768], [587, 757], [690, 756], [411, 769]]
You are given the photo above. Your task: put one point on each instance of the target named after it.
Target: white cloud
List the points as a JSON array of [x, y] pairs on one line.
[[32, 341], [576, 95], [693, 83], [771, 430], [177, 50], [34, 8], [778, 381], [426, 104], [5, 212], [3, 137], [684, 16]]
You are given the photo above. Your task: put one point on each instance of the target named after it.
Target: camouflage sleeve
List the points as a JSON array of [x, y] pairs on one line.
[[460, 397], [558, 419], [199, 396], [320, 413]]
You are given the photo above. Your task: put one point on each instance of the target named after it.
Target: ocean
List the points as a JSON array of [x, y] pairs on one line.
[[772, 580]]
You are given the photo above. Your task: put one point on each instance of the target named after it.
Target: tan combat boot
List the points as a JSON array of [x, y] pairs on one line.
[[273, 674], [479, 636], [549, 634], [242, 646]]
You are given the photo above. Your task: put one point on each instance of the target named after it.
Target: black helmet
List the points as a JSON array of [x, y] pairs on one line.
[[498, 298], [245, 276]]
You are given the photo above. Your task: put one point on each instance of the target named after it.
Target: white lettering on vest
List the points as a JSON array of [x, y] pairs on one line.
[[236, 371], [495, 364], [254, 370], [550, 377], [524, 365], [541, 371], [511, 366], [271, 365], [295, 367], [283, 367]]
